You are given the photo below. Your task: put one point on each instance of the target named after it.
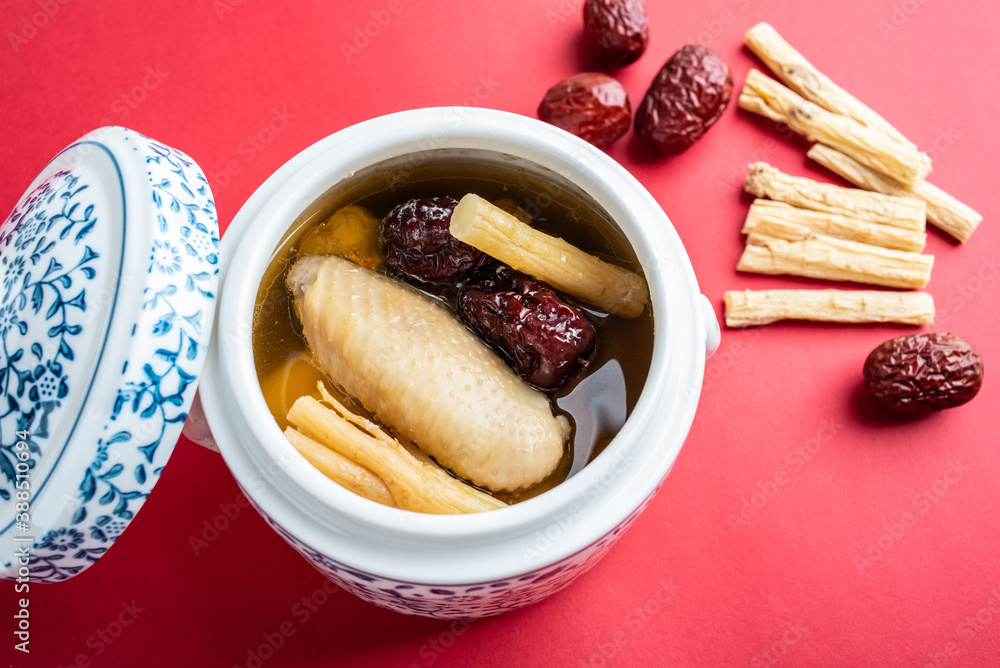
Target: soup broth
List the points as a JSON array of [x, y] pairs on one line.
[[597, 402]]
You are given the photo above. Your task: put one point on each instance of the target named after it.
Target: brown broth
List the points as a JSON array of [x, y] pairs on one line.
[[597, 402]]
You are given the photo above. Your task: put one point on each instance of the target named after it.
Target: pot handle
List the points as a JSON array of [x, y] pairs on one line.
[[196, 426], [713, 333]]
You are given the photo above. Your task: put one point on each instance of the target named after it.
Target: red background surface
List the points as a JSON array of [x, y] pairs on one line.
[[876, 545]]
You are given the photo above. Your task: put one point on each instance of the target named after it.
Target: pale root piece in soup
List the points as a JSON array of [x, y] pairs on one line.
[[414, 365], [342, 470], [562, 265], [413, 481]]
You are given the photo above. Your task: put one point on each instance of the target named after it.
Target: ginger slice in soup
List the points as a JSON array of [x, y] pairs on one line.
[[295, 377], [351, 232]]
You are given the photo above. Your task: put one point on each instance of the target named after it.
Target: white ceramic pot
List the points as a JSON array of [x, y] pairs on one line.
[[468, 565]]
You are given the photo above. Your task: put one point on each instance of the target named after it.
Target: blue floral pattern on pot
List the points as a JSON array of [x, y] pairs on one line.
[[458, 600], [171, 244]]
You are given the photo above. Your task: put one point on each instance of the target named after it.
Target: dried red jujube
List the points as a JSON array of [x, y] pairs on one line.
[[591, 105], [924, 372], [687, 96], [416, 242], [545, 339], [615, 32]]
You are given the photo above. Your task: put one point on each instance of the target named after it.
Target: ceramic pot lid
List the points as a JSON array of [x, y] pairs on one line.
[[108, 276]]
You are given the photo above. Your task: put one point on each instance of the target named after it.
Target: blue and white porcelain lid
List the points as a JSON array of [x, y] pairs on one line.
[[108, 275]]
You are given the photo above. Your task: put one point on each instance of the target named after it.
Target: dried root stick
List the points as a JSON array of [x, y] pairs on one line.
[[874, 148], [415, 484], [562, 265], [763, 180], [340, 469], [943, 210], [746, 308], [801, 76], [836, 260], [784, 221]]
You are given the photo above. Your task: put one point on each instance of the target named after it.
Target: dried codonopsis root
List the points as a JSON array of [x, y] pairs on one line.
[[784, 221], [565, 267], [746, 308], [837, 260], [874, 148], [801, 76], [763, 180], [943, 210], [340, 469], [415, 485]]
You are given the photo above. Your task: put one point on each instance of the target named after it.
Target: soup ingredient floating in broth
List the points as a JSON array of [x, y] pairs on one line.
[[345, 471], [411, 482], [351, 232], [425, 375], [513, 208], [416, 242], [565, 267], [546, 339]]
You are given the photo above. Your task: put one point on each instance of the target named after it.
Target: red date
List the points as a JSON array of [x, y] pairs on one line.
[[591, 105], [924, 372], [686, 98], [416, 242], [615, 32], [545, 339]]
